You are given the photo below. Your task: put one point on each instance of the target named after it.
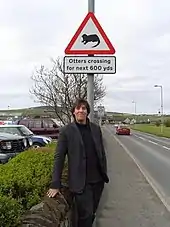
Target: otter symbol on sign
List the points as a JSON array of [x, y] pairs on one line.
[[90, 38]]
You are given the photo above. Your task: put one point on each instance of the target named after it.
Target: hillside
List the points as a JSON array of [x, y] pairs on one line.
[[47, 111]]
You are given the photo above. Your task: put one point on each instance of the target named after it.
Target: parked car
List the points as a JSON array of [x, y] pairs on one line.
[[41, 126], [10, 146], [21, 130], [122, 130]]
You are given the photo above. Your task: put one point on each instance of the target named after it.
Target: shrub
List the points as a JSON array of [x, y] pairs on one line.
[[10, 211], [167, 123], [26, 179], [27, 176], [158, 123]]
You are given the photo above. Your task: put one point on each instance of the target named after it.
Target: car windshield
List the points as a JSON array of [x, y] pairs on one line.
[[26, 131], [123, 126]]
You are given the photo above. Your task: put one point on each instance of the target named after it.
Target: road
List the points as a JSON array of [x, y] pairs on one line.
[[128, 200], [152, 154]]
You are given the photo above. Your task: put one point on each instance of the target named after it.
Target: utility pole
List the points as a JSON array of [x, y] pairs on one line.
[[134, 102], [90, 76], [162, 109]]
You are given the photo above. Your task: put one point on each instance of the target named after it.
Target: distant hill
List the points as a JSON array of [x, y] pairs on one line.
[[47, 110], [38, 110]]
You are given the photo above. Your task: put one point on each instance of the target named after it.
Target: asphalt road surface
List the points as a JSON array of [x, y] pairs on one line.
[[128, 200], [152, 153]]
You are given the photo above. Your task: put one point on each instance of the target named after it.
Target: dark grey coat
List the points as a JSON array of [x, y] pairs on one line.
[[70, 142]]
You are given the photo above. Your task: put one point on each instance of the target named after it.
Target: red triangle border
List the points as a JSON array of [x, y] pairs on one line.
[[90, 52]]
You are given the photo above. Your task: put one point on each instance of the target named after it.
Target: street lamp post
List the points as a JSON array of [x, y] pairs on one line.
[[135, 108], [162, 110]]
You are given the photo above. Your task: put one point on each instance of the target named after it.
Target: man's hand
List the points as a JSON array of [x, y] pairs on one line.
[[53, 192]]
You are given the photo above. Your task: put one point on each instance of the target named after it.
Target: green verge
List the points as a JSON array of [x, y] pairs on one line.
[[24, 180], [152, 129]]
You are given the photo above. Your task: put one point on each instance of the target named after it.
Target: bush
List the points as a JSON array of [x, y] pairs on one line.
[[26, 179], [167, 123], [158, 123], [10, 211]]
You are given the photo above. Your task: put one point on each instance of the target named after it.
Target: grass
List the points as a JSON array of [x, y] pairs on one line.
[[52, 145], [152, 129]]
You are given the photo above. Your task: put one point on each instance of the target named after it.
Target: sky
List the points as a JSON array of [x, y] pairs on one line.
[[33, 32]]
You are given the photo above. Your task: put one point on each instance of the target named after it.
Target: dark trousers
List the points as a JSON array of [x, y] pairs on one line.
[[86, 204]]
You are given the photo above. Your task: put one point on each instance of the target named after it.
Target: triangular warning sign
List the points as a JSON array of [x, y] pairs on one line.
[[90, 38]]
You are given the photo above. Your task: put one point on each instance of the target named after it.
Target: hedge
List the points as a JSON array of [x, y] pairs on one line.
[[24, 181], [10, 211]]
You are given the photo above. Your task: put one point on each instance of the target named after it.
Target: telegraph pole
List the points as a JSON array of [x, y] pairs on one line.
[[162, 109]]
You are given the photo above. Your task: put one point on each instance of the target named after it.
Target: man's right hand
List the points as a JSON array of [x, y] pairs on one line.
[[53, 192]]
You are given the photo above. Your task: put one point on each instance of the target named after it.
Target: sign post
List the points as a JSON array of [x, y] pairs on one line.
[[90, 76], [90, 40]]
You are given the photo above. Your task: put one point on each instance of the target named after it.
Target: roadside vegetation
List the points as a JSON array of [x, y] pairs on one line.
[[24, 182], [154, 129]]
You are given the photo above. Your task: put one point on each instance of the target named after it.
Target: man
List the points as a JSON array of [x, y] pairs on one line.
[[82, 141]]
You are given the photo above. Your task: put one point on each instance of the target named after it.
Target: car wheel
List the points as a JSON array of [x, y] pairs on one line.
[[36, 145]]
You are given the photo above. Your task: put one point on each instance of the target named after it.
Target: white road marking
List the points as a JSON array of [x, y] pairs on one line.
[[168, 148], [141, 138], [149, 136], [150, 141]]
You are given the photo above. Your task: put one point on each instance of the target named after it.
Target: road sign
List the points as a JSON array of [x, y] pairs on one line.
[[86, 64], [101, 111], [90, 38]]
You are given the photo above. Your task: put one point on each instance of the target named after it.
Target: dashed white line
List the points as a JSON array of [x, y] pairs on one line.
[[141, 138], [150, 141], [168, 148]]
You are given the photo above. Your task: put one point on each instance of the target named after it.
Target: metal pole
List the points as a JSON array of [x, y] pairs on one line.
[[134, 102], [90, 77], [91, 6], [135, 114], [162, 112], [135, 108]]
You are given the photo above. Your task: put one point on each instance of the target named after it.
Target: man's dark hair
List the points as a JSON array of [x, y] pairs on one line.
[[80, 102]]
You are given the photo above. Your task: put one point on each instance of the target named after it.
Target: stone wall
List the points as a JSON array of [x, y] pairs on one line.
[[51, 212]]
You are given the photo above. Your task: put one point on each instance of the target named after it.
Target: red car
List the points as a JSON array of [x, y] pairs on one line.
[[123, 130]]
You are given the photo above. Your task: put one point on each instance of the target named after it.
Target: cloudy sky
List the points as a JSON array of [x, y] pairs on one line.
[[32, 32]]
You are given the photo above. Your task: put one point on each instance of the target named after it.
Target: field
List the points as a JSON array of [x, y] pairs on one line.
[[152, 129]]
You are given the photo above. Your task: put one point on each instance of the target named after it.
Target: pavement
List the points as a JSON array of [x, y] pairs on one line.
[[128, 200]]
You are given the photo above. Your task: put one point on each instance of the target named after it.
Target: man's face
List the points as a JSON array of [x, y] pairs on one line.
[[80, 113]]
